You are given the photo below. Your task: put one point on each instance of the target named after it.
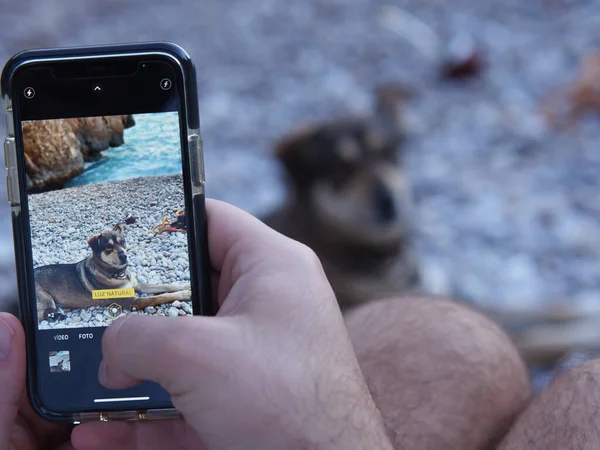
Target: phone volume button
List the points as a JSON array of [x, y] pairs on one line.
[[12, 188], [10, 153], [10, 124], [10, 162]]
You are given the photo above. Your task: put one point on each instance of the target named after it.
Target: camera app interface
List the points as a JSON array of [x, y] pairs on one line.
[[109, 239]]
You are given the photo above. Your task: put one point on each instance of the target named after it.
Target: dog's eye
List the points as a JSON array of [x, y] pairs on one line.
[[342, 173]]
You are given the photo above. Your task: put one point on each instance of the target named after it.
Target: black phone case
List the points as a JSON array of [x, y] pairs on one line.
[[193, 174]]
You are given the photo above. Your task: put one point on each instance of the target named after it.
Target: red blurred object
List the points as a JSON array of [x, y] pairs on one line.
[[467, 67], [130, 220]]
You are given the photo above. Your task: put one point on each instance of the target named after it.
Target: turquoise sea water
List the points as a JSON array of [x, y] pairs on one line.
[[152, 147]]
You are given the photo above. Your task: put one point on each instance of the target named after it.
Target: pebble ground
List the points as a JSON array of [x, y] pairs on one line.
[[507, 210], [62, 222]]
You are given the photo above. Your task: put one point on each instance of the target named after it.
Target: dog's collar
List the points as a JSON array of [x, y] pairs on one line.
[[120, 274], [357, 258]]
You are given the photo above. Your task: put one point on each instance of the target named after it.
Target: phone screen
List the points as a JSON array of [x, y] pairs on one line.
[[107, 211]]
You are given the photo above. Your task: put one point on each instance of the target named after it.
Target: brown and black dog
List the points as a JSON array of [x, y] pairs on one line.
[[351, 203], [71, 285]]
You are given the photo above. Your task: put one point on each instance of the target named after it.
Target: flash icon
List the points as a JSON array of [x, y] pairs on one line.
[[29, 92], [165, 84]]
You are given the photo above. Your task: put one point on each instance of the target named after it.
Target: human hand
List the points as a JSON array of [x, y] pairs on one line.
[[20, 427], [275, 369]]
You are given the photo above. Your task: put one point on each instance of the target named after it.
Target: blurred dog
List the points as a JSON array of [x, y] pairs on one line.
[[71, 285], [351, 202]]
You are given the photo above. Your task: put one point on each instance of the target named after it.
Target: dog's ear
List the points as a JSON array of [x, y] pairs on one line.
[[94, 244], [120, 227], [389, 103], [300, 153]]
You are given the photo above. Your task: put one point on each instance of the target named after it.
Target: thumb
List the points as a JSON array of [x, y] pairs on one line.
[[12, 374], [166, 350]]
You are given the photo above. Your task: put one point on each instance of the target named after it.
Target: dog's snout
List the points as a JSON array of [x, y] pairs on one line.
[[385, 206], [122, 257]]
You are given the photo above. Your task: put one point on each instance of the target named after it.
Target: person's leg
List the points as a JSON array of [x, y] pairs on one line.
[[443, 376], [565, 416]]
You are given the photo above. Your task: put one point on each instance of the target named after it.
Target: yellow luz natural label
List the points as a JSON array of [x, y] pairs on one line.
[[101, 294]]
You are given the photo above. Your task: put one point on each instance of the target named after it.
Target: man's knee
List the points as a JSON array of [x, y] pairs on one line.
[[442, 375], [564, 416]]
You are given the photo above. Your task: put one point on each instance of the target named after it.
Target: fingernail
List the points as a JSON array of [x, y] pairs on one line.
[[102, 373], [6, 338]]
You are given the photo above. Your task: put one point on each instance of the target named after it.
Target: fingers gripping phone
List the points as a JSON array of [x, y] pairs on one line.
[[106, 187]]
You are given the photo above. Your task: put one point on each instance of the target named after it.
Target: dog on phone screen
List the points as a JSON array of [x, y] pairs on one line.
[[71, 285], [351, 203]]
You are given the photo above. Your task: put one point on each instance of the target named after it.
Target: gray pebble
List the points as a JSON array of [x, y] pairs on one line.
[[173, 312]]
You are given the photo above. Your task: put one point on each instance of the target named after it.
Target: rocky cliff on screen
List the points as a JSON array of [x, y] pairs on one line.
[[56, 150]]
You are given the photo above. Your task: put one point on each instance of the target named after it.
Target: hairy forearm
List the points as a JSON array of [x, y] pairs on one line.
[[369, 435], [363, 430], [346, 418]]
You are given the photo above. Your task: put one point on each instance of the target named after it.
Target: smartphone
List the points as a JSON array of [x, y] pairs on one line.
[[105, 181]]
